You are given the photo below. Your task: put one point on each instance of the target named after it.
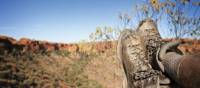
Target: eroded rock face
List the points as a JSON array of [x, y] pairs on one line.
[[25, 44], [72, 48], [8, 44], [102, 46], [190, 46], [24, 41]]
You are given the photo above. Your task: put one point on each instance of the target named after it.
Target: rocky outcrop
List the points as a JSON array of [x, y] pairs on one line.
[[9, 44], [6, 44], [190, 45]]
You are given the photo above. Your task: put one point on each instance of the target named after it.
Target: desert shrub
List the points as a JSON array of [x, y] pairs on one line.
[[40, 70], [86, 48], [105, 68], [76, 78], [31, 70], [63, 53], [104, 34]]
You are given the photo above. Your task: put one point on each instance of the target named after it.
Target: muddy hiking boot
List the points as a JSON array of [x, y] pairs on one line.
[[138, 71], [137, 52]]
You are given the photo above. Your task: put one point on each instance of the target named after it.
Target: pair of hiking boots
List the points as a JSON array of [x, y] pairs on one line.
[[137, 50]]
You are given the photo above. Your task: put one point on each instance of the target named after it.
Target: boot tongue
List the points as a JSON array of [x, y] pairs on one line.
[[158, 62], [171, 64]]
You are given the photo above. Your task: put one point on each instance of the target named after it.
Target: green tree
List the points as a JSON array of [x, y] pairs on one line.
[[104, 34], [182, 21], [177, 14]]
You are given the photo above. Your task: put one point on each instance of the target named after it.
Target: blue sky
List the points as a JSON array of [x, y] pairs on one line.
[[59, 20], [63, 20]]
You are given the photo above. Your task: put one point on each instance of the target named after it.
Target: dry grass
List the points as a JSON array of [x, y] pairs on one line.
[[93, 65], [61, 69], [32, 71], [42, 71], [106, 70]]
